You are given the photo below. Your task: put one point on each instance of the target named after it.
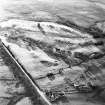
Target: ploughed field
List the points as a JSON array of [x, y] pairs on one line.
[[67, 64]]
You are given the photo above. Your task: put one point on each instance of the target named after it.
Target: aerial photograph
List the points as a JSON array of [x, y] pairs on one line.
[[52, 52]]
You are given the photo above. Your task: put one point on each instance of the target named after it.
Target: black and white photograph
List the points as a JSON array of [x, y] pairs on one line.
[[52, 52]]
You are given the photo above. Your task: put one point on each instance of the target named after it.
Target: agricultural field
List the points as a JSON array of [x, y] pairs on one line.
[[61, 47]]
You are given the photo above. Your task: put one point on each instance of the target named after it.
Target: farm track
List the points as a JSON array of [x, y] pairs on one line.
[[28, 82]]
